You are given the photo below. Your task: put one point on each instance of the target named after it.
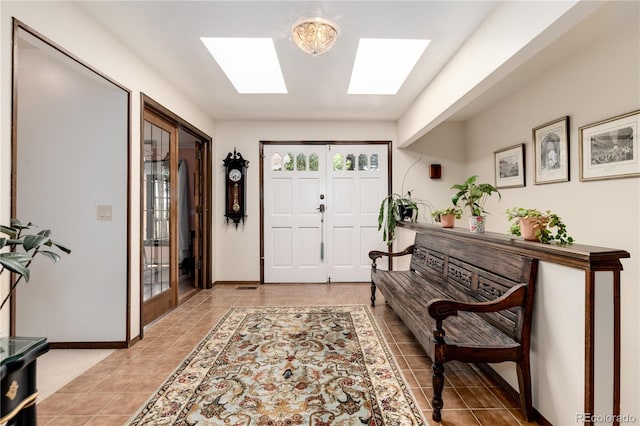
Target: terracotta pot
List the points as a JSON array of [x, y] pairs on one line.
[[448, 220], [476, 224], [529, 227]]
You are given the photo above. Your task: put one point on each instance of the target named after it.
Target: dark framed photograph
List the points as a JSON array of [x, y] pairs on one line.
[[551, 151], [609, 148], [509, 167]]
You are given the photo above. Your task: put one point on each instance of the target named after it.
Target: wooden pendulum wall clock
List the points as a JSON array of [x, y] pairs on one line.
[[235, 187]]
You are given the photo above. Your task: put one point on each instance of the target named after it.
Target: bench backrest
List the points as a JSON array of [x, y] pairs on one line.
[[471, 273]]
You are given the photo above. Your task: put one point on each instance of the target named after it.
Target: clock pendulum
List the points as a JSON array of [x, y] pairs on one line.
[[236, 206]]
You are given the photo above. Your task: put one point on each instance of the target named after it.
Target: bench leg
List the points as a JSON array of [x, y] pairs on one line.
[[524, 381], [438, 384], [373, 294]]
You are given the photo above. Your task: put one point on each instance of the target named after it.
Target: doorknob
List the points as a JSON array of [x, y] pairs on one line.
[[321, 208]]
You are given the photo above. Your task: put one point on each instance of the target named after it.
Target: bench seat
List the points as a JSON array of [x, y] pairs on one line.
[[463, 303], [419, 294]]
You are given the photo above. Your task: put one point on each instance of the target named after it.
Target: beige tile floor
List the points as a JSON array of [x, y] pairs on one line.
[[114, 389]]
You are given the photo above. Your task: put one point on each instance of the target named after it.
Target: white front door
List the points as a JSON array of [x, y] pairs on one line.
[[294, 178], [357, 183], [301, 244]]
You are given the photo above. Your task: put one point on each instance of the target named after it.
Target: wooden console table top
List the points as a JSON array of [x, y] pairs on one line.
[[579, 256]]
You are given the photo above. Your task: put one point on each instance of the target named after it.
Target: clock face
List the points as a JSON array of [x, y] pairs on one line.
[[235, 175]]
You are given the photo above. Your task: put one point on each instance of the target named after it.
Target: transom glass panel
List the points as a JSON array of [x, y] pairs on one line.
[[298, 162]]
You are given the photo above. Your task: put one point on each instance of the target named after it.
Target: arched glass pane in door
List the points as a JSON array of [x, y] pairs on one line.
[[362, 162], [313, 162], [301, 162], [276, 162]]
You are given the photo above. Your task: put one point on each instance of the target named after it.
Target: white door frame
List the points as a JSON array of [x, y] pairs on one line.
[[308, 143]]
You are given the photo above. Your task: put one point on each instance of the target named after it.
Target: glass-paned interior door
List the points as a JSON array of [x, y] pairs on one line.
[[158, 211]]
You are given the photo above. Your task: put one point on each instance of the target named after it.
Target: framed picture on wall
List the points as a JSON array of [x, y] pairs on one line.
[[509, 167], [551, 151], [609, 148]]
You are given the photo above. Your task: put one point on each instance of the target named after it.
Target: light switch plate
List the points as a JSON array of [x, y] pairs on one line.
[[104, 212]]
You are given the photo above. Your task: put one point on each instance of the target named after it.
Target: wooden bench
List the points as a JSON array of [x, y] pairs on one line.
[[463, 302]]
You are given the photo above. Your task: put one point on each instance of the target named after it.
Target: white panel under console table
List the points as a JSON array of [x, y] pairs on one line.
[[575, 338]]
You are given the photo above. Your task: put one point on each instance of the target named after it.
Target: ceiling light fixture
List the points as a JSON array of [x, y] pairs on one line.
[[314, 35]]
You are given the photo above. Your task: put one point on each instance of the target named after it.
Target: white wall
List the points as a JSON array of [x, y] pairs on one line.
[[237, 252], [66, 25], [72, 156], [513, 33], [598, 80], [444, 145]]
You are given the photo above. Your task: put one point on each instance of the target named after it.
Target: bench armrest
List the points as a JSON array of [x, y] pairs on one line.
[[440, 309], [375, 254]]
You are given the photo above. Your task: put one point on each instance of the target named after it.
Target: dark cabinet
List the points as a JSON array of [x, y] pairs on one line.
[[18, 374]]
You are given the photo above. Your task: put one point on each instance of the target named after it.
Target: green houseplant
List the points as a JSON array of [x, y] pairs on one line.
[[399, 208], [535, 225], [24, 246], [393, 209], [447, 216], [474, 196]]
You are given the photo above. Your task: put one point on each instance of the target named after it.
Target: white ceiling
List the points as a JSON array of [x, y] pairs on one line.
[[166, 35]]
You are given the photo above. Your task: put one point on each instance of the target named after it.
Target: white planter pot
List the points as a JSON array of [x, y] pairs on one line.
[[476, 224]]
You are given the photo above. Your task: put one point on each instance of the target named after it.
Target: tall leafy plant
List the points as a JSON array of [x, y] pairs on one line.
[[473, 195], [25, 246]]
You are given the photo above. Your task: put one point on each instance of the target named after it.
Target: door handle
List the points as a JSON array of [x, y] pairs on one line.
[[321, 208]]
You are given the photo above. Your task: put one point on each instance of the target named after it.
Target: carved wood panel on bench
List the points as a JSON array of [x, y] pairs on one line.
[[463, 303]]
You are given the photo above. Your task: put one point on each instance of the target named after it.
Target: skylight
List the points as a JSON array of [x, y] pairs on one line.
[[382, 65], [251, 64]]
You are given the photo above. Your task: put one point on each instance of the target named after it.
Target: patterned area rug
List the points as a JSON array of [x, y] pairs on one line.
[[277, 366]]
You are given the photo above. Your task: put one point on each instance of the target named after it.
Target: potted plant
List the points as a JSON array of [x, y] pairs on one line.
[[16, 237], [474, 196], [393, 209], [447, 216], [535, 225]]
